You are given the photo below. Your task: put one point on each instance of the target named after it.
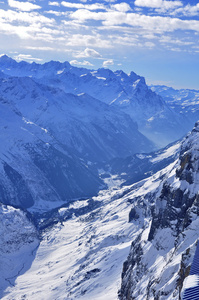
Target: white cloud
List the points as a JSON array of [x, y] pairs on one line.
[[107, 63], [89, 40], [28, 57], [114, 26], [53, 3], [163, 4], [175, 49], [81, 63], [95, 6], [125, 40], [24, 17], [40, 48], [123, 7], [149, 45], [89, 53], [168, 40], [26, 25], [84, 14], [188, 10], [56, 13], [23, 6], [153, 24]]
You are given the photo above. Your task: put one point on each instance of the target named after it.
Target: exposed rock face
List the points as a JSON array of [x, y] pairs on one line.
[[18, 244], [160, 256]]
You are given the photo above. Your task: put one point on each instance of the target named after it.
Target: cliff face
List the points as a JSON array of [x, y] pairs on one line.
[[18, 245], [160, 256]]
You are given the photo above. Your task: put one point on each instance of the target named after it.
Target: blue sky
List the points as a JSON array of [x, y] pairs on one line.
[[157, 39]]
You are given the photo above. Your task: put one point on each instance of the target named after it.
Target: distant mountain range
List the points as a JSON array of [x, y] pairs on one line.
[[155, 118], [64, 123], [183, 101], [52, 141]]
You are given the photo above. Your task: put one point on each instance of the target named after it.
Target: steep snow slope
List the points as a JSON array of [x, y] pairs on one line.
[[129, 92], [35, 169], [160, 256], [81, 256], [18, 245], [51, 143], [142, 165], [88, 127]]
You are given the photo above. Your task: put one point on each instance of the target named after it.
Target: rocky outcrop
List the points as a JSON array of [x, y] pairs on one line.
[[161, 255], [18, 245]]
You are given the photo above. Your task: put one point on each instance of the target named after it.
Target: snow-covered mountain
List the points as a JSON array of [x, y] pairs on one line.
[[85, 243], [155, 119], [167, 213], [88, 127], [35, 169], [18, 244], [183, 97], [65, 134], [142, 165], [183, 101], [52, 143]]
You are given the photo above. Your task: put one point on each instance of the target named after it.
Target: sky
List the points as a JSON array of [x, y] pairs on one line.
[[157, 39]]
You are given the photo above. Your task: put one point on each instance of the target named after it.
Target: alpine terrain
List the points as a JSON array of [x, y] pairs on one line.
[[98, 185]]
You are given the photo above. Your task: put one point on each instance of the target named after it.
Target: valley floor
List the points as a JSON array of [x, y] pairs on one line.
[[81, 258]]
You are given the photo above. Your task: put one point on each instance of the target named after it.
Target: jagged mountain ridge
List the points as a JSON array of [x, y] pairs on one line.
[[182, 101], [59, 140], [129, 92], [184, 97], [66, 115], [161, 254]]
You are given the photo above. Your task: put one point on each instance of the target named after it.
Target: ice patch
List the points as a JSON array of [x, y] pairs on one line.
[[60, 72]]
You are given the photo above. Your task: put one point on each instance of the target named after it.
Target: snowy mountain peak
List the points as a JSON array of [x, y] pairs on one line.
[[106, 73], [133, 76], [6, 59], [56, 65]]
